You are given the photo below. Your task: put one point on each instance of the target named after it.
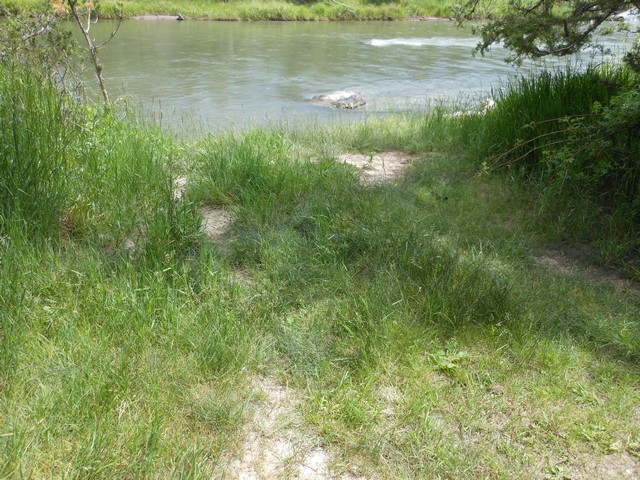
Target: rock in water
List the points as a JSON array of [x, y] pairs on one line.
[[341, 99]]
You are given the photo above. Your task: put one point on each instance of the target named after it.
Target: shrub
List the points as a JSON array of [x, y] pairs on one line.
[[529, 114], [576, 135]]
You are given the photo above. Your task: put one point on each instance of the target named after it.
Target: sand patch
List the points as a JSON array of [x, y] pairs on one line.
[[215, 221], [277, 445], [379, 168], [616, 466]]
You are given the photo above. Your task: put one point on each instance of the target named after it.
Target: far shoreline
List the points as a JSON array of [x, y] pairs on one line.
[[264, 10], [177, 17]]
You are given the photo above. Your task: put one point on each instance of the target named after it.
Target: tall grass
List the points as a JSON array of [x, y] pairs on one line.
[[263, 11], [84, 172], [124, 189], [302, 220], [528, 116], [571, 136], [276, 10], [417, 287], [106, 340], [35, 143]]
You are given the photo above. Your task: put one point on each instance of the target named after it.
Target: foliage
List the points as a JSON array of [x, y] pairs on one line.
[[538, 28], [38, 39], [587, 150], [596, 167], [632, 58], [600, 157], [528, 118], [573, 137]]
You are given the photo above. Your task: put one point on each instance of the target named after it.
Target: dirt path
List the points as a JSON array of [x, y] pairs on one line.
[[277, 445], [381, 167]]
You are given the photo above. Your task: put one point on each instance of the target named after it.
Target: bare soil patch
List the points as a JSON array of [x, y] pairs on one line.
[[381, 167], [567, 264], [179, 188], [215, 221], [277, 445], [616, 466]]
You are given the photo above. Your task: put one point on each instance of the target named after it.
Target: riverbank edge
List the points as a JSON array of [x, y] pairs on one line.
[[164, 17], [259, 11]]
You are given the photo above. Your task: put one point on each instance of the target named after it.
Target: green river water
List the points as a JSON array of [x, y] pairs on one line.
[[223, 75]]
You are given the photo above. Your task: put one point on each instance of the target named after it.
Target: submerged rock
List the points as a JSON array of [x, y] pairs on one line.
[[341, 99]]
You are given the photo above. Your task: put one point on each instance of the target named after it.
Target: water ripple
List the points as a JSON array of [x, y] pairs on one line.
[[425, 42]]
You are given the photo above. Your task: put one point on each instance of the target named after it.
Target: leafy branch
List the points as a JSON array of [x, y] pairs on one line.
[[543, 28]]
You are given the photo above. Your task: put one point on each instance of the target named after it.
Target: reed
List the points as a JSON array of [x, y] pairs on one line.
[[35, 140]]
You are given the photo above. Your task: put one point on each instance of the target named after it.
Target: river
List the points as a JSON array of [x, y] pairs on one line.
[[224, 75]]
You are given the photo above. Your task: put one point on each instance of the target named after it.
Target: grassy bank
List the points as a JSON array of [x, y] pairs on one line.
[[412, 329], [571, 137], [269, 10]]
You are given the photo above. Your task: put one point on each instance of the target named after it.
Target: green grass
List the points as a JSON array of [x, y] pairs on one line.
[[34, 151], [531, 110], [269, 10], [412, 319], [564, 133]]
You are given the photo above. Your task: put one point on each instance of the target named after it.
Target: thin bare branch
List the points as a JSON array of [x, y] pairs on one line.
[[88, 20], [495, 159], [534, 7], [113, 34], [42, 30], [524, 155], [345, 5], [93, 51]]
